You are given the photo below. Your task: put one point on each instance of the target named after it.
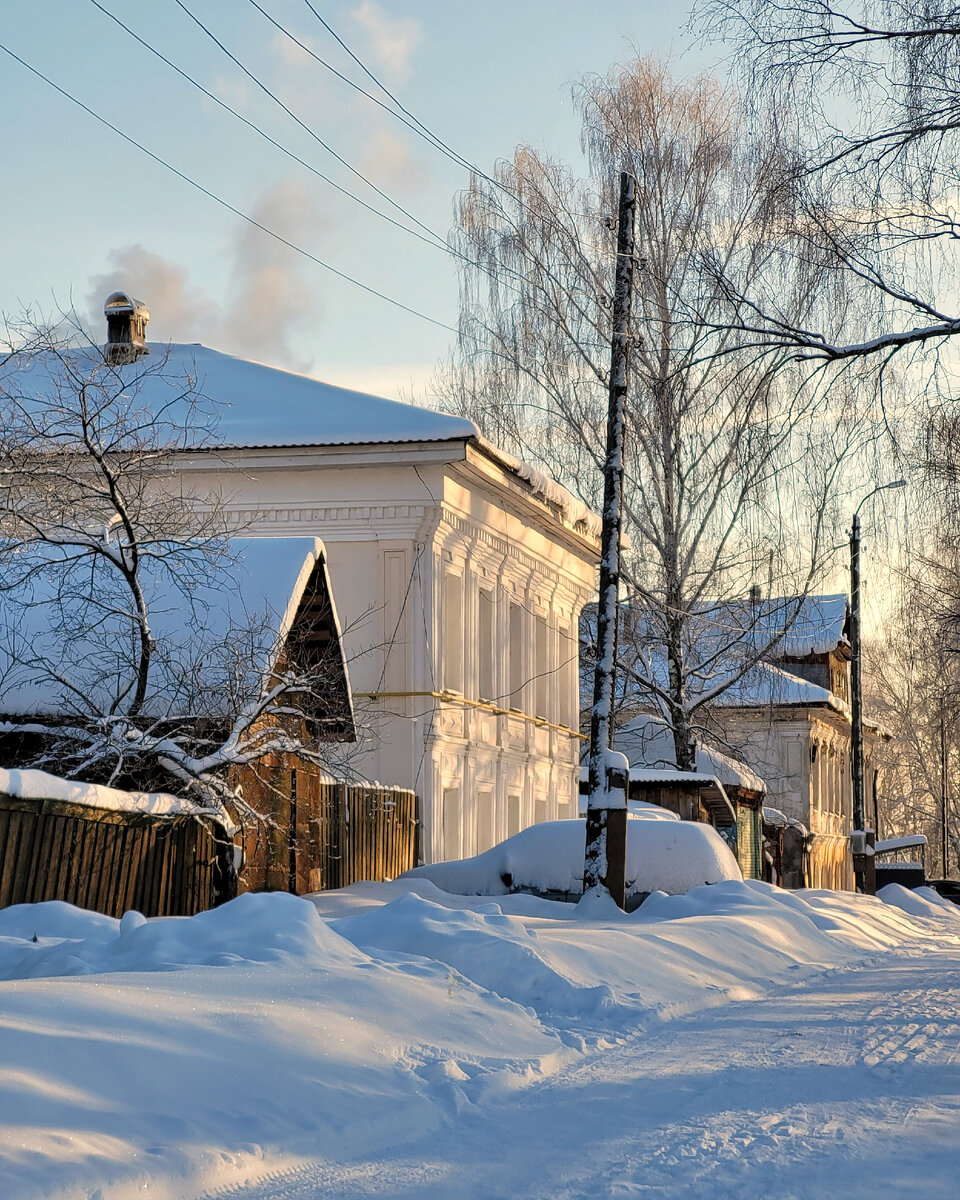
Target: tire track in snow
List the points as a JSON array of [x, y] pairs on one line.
[[847, 1084]]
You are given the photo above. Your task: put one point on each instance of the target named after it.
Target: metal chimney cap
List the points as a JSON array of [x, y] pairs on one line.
[[119, 303]]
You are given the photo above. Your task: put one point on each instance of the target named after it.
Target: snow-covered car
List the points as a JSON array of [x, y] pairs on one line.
[[663, 854]]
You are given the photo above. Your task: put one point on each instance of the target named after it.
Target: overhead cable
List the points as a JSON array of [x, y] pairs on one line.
[[372, 291], [430, 241], [305, 127]]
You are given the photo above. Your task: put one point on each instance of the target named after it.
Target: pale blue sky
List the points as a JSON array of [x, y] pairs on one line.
[[84, 212]]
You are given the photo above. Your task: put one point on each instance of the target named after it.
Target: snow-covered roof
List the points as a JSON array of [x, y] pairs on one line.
[[811, 625], [730, 771], [253, 404], [736, 653], [780, 820], [668, 775], [647, 741], [39, 785], [211, 400], [546, 487], [912, 841], [205, 631], [765, 685]]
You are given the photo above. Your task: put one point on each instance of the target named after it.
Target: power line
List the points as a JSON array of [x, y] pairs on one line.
[[225, 203], [433, 241], [262, 133], [438, 242], [305, 127], [413, 124], [422, 130], [316, 137]]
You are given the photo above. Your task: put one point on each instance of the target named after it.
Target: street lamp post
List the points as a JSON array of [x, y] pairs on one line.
[[856, 687]]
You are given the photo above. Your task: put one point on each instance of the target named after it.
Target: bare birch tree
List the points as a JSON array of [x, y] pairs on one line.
[[112, 666], [867, 95], [732, 454], [914, 678]]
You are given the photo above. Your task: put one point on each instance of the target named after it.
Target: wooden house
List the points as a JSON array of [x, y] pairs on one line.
[[111, 848], [778, 671], [721, 790], [788, 719]]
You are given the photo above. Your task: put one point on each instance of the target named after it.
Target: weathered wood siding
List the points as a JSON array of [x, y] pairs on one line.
[[107, 861], [750, 841], [321, 834]]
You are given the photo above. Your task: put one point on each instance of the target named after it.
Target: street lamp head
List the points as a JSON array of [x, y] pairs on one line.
[[881, 487]]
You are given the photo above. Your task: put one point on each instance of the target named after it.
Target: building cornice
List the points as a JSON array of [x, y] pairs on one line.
[[293, 458]]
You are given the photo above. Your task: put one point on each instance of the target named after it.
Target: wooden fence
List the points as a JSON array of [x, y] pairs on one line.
[[109, 861], [321, 834]]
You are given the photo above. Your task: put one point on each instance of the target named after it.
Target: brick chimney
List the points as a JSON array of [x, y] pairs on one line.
[[126, 328]]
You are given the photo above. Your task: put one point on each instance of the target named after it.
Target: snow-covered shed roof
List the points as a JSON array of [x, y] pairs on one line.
[[213, 636], [252, 404]]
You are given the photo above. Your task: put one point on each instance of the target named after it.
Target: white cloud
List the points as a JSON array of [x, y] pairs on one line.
[[389, 162], [392, 39]]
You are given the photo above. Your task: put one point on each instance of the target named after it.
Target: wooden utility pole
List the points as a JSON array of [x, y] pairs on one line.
[[861, 840], [605, 853], [944, 767], [856, 710]]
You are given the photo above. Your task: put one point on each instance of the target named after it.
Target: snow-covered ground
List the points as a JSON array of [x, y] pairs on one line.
[[398, 1041]]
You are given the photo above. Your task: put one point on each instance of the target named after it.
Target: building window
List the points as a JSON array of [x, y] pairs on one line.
[[513, 815], [487, 687], [486, 820], [451, 823], [541, 658], [567, 680], [452, 648], [516, 657]]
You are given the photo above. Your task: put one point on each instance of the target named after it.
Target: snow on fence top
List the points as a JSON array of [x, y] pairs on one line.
[[912, 841], [39, 785]]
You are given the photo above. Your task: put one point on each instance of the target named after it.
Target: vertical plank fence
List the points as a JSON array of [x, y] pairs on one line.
[[109, 861], [319, 833]]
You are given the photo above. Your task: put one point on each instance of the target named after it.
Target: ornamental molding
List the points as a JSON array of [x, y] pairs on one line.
[[334, 521], [510, 553]]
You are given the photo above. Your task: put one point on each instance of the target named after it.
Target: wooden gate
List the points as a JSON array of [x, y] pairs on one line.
[[319, 833]]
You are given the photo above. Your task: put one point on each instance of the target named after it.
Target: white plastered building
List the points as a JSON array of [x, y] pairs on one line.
[[459, 576]]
